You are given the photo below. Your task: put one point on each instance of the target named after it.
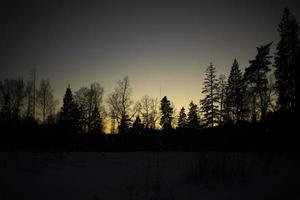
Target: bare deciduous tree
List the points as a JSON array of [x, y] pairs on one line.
[[90, 103], [12, 94], [45, 100], [149, 111], [120, 105]]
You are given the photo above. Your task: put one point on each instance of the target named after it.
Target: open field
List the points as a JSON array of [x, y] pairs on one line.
[[149, 175]]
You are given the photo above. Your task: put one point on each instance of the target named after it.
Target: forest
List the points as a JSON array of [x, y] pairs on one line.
[[255, 109]]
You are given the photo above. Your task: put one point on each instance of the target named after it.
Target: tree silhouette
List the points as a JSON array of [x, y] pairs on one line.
[[166, 114], [5, 101], [120, 104], [69, 116], [145, 110], [193, 118], [137, 125], [256, 76], [148, 108], [182, 120], [211, 99], [222, 87], [154, 113], [12, 94], [89, 100], [96, 125], [286, 61], [29, 99], [257, 103], [234, 94], [45, 100]]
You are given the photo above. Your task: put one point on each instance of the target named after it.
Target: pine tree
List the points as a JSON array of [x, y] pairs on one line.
[[256, 76], [211, 99], [234, 94], [193, 118], [166, 114], [182, 121], [286, 61]]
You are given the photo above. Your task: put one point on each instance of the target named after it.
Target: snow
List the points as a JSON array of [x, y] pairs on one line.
[[148, 175]]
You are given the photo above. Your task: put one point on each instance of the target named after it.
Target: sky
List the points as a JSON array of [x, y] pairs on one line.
[[161, 45]]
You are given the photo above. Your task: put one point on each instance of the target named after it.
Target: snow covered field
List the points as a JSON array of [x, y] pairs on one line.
[[149, 175]]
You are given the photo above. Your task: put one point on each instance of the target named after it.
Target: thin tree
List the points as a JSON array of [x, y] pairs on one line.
[[29, 99], [120, 104], [222, 86], [45, 100], [211, 100], [145, 110], [34, 92], [149, 111], [154, 113]]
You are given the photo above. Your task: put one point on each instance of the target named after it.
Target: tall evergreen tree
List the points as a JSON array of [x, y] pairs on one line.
[[211, 99], [182, 121], [286, 61], [193, 118], [166, 114], [234, 94], [69, 116], [256, 76]]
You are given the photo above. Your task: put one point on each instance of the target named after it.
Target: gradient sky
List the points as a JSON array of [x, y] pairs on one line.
[[165, 44]]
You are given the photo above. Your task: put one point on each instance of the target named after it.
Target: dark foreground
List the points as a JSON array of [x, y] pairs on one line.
[[149, 175]]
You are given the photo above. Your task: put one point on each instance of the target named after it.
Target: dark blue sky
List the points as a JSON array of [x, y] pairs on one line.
[[155, 43]]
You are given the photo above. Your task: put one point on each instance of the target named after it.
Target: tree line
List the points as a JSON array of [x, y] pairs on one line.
[[250, 96]]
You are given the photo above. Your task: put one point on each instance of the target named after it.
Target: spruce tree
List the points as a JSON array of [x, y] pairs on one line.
[[69, 116], [210, 102], [234, 94], [193, 118], [182, 121], [166, 114], [286, 61]]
